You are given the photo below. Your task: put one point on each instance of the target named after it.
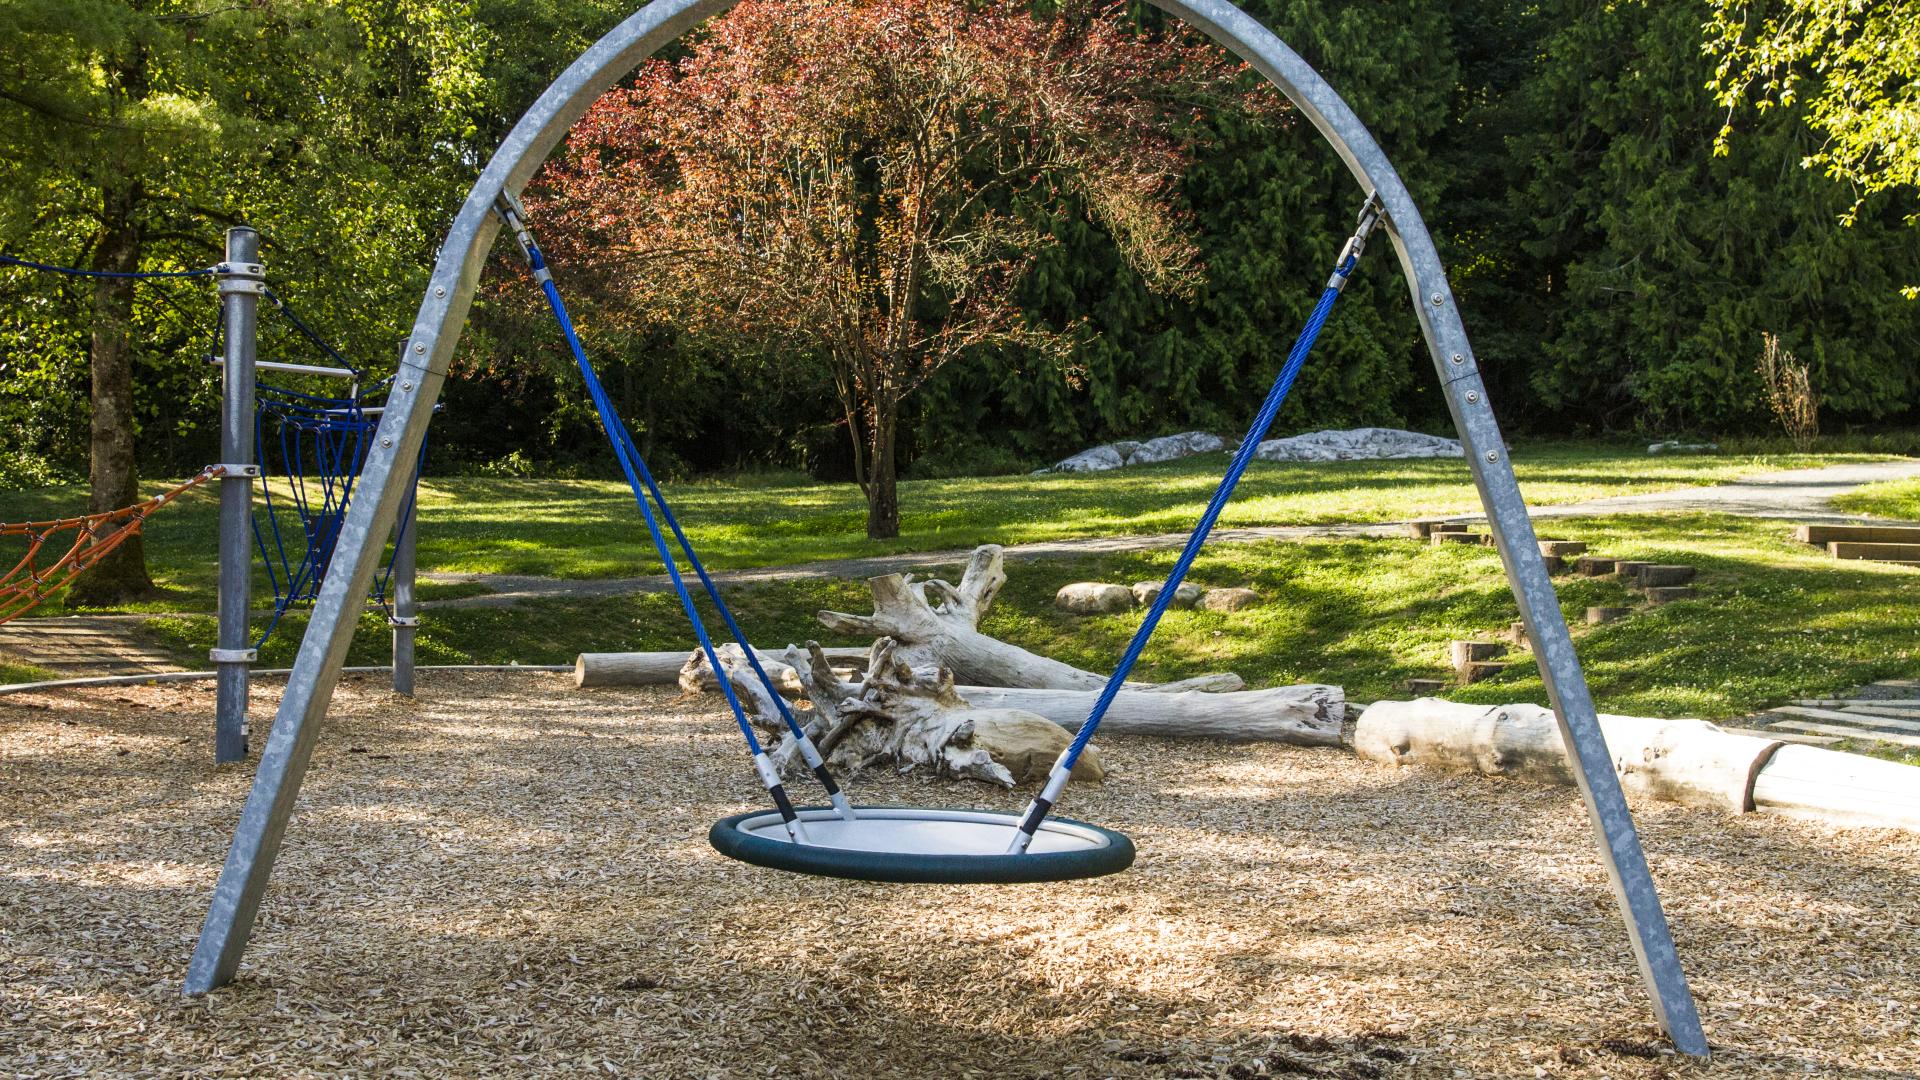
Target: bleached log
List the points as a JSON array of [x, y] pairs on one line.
[[1308, 715], [937, 625], [1686, 761], [1839, 789], [663, 668]]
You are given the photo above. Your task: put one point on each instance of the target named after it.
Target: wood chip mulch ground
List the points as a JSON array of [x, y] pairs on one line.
[[509, 877]]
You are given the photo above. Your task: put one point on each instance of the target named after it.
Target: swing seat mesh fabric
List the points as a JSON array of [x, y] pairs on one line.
[[920, 845]]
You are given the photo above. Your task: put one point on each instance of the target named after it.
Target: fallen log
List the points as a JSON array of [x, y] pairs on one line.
[[1307, 715], [1839, 789], [1685, 761]]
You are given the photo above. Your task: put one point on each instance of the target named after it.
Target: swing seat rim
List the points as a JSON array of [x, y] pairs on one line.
[[1064, 849]]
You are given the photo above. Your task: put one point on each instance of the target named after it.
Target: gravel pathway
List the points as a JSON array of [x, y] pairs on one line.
[[1801, 494]]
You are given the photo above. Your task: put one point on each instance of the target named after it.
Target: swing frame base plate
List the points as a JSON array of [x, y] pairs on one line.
[[917, 845]]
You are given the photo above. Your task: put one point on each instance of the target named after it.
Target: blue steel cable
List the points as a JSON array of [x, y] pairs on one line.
[[611, 421], [70, 271], [310, 333], [808, 750], [632, 465], [1277, 396]]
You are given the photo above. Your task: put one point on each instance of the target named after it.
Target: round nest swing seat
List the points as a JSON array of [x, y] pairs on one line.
[[923, 846]]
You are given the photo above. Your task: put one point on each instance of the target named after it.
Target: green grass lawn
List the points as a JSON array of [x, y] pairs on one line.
[[1892, 499], [1776, 619], [587, 529]]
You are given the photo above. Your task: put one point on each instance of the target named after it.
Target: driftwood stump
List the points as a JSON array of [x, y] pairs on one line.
[[938, 626], [904, 717]]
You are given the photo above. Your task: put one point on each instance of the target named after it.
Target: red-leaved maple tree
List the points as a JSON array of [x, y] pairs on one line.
[[847, 179]]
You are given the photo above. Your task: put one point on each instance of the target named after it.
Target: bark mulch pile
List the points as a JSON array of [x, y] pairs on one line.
[[509, 877]]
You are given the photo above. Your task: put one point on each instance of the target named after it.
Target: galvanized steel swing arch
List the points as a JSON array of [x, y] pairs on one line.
[[442, 314]]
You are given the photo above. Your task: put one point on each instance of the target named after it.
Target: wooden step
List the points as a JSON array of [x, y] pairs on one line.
[[1860, 734], [1657, 576], [1462, 654], [1485, 669], [1843, 702], [1861, 534], [1875, 552], [1783, 736], [1861, 719]]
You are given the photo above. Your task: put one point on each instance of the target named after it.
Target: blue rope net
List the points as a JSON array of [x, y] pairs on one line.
[[311, 448]]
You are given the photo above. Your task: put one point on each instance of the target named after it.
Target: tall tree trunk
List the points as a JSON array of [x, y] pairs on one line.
[[883, 498], [122, 574]]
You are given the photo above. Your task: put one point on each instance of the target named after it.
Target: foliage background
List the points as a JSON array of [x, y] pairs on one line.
[[1616, 273]]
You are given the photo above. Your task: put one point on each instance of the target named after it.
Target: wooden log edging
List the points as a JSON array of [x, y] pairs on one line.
[[1685, 761], [1304, 715], [663, 668]]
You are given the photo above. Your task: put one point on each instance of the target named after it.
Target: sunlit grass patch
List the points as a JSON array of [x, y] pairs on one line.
[[1775, 619]]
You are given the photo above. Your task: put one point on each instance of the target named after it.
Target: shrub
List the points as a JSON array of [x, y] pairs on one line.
[[1789, 392]]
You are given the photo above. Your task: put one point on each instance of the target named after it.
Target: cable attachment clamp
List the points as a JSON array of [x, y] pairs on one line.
[[514, 213], [1371, 214], [241, 279]]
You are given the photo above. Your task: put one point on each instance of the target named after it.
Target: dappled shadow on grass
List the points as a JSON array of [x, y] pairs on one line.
[[1776, 620], [590, 528]]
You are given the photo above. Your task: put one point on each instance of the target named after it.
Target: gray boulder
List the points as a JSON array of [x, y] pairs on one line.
[[1358, 444], [1093, 598], [1187, 595], [1098, 459], [1228, 599], [1118, 454]]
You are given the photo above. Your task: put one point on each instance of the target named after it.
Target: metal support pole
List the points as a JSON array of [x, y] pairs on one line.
[[242, 282], [405, 619]]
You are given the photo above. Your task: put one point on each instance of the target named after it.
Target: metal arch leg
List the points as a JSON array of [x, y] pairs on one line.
[[1466, 394], [436, 331], [1512, 528]]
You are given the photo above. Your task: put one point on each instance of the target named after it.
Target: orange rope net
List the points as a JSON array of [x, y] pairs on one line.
[[27, 584]]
